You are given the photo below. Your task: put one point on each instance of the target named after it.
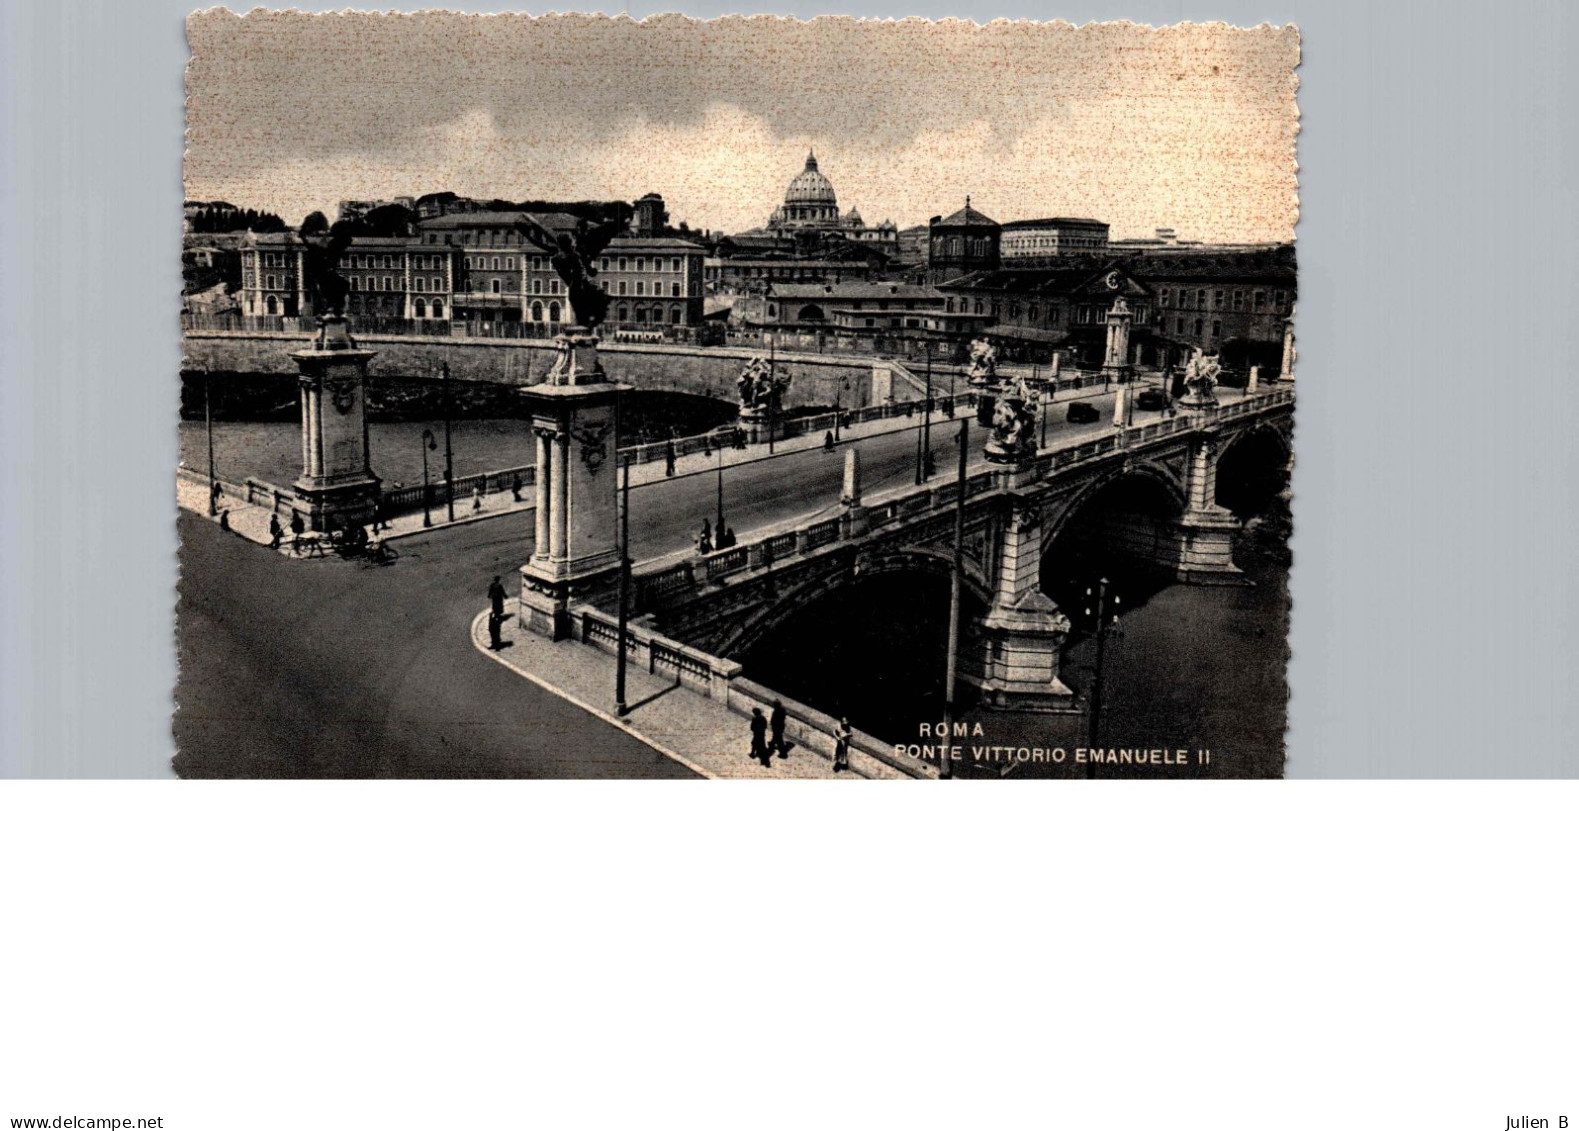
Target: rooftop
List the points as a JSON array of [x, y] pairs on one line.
[[1056, 221], [855, 291], [967, 217]]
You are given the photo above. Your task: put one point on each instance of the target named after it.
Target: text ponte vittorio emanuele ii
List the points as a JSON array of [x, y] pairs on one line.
[[955, 742]]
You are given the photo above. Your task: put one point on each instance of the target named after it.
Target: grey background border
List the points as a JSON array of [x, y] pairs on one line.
[[1434, 627]]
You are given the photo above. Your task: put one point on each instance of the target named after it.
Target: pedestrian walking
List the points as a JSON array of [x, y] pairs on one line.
[[224, 519], [477, 498], [495, 642], [515, 487], [707, 530], [841, 745], [668, 458], [827, 441], [276, 532], [214, 492], [704, 545], [496, 598], [776, 722], [759, 745], [727, 542]]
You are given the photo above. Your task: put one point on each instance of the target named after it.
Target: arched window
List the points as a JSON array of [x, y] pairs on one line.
[[270, 305], [537, 312], [419, 308], [676, 314], [623, 314], [641, 314], [438, 309], [553, 312]]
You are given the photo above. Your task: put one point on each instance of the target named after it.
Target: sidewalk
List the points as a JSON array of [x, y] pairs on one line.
[[699, 733], [252, 522]]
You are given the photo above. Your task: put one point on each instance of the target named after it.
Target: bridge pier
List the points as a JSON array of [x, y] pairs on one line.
[[575, 422], [1203, 548], [1023, 632]]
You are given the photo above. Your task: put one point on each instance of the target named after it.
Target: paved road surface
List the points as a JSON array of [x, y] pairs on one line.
[[667, 515], [328, 669]]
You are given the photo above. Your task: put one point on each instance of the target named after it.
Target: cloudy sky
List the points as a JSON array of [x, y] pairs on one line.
[[1191, 128]]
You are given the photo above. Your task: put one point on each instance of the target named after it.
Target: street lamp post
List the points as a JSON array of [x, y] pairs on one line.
[[773, 391], [1099, 597], [950, 380], [718, 533], [449, 464], [428, 444], [620, 708], [945, 768], [208, 426]]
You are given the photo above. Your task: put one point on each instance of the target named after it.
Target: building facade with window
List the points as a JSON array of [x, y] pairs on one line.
[[962, 244], [1231, 304], [735, 276], [652, 283], [1025, 241]]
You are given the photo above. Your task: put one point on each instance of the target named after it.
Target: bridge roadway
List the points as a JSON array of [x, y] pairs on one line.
[[666, 515]]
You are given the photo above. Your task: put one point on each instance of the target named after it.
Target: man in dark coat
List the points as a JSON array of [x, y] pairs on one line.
[[759, 731], [776, 721], [276, 532], [496, 598]]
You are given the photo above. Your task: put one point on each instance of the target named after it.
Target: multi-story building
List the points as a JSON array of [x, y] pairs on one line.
[[1025, 240], [726, 275], [479, 269], [1232, 304], [962, 244], [1235, 306], [652, 282], [273, 275]]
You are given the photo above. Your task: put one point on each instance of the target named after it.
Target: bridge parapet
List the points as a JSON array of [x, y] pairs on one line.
[[722, 680]]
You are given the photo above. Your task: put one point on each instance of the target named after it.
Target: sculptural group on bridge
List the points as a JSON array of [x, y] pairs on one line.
[[759, 386]]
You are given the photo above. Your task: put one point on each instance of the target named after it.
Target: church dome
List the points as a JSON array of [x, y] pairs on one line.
[[811, 187]]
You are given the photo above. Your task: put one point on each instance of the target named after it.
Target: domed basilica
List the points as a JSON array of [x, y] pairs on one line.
[[810, 204]]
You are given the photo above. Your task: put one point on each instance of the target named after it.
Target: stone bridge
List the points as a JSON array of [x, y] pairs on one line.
[[1147, 493], [707, 371]]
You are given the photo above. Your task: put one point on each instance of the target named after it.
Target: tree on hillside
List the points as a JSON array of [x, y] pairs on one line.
[[389, 220], [316, 223]]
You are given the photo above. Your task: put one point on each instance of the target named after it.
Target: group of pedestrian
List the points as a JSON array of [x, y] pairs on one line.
[[495, 615], [762, 746], [767, 737], [707, 543]]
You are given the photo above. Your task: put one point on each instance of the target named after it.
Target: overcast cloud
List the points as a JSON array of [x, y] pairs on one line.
[[1189, 127]]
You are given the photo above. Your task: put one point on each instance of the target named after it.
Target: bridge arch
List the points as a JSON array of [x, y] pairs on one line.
[[1132, 479], [1252, 469], [867, 567], [1124, 526]]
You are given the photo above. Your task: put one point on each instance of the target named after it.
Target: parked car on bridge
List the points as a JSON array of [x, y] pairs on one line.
[[1082, 412], [1151, 400]]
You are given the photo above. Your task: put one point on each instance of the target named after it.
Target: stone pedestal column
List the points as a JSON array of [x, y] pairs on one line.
[[337, 487], [1203, 553], [1115, 360], [575, 420], [855, 520], [1287, 372], [1023, 633]]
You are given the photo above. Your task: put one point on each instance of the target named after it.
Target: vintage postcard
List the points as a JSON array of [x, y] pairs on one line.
[[584, 397]]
